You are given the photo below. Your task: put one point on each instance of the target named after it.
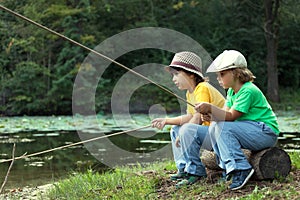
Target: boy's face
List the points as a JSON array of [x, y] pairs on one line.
[[182, 80], [225, 78]]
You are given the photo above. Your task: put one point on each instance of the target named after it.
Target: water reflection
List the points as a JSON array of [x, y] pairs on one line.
[[56, 165], [289, 141]]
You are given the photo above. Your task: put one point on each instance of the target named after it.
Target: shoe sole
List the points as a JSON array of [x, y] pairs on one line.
[[188, 183], [185, 184], [245, 181], [178, 178]]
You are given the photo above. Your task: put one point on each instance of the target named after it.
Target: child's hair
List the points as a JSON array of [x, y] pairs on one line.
[[243, 74], [198, 79]]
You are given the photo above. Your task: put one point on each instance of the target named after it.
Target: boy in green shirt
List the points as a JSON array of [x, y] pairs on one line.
[[247, 120]]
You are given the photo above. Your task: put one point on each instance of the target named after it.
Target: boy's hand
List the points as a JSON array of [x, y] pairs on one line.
[[206, 118], [177, 142], [159, 123], [203, 108]]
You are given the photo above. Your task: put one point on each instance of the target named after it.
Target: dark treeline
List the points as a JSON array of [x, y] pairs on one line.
[[38, 69]]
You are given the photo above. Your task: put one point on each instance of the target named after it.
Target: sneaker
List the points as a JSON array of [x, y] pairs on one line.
[[225, 177], [240, 178], [190, 179], [179, 176]]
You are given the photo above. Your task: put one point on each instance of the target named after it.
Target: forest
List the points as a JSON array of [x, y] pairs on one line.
[[38, 68]]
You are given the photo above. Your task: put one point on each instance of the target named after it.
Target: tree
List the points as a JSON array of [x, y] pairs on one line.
[[216, 25], [26, 89], [271, 29]]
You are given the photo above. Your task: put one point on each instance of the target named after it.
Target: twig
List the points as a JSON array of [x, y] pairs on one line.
[[10, 166]]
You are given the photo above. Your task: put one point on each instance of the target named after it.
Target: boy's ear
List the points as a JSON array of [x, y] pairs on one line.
[[192, 75]]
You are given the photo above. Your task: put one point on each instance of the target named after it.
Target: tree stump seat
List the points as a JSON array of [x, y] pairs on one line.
[[268, 163]]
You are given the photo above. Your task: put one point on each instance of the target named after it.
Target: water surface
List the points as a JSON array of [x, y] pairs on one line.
[[52, 166]]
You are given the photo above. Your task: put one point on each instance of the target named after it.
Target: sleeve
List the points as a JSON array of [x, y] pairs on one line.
[[228, 101], [202, 94], [243, 102], [189, 108]]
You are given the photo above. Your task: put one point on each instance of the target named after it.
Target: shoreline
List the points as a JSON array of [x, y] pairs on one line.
[[27, 193]]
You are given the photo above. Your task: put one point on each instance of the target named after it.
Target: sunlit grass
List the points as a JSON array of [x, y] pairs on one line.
[[109, 185], [126, 182], [295, 157]]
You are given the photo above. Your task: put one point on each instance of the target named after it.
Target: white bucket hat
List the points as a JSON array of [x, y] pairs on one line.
[[229, 59], [188, 61]]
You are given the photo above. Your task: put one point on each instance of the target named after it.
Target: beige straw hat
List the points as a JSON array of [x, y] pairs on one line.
[[188, 61]]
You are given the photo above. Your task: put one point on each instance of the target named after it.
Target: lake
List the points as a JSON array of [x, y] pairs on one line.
[[35, 134]]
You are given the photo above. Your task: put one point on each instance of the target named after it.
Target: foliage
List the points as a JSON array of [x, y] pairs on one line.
[[216, 25], [290, 97], [27, 87]]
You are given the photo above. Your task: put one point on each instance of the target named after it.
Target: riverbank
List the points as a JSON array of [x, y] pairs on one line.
[[152, 182], [28, 193]]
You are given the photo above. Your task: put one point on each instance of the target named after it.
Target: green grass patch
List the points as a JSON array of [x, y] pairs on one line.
[[295, 158], [127, 182]]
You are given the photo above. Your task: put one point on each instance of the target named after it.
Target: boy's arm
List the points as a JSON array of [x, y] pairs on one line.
[[179, 120], [196, 119], [217, 113], [161, 122]]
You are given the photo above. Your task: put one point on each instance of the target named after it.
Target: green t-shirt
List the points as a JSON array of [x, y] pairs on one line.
[[253, 104]]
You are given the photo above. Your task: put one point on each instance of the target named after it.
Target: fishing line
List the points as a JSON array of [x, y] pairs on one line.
[[93, 51], [73, 144]]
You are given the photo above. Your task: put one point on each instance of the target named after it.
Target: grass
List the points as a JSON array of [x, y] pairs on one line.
[[152, 182], [295, 157], [115, 184]]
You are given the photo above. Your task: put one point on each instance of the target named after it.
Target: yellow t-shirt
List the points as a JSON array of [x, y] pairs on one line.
[[204, 92]]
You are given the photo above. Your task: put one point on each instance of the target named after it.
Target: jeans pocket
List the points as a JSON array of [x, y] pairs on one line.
[[267, 130]]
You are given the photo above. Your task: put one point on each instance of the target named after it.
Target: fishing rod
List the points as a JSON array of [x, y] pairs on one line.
[[93, 51], [73, 144]]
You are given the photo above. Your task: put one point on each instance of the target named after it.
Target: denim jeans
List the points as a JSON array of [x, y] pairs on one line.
[[228, 139], [192, 138]]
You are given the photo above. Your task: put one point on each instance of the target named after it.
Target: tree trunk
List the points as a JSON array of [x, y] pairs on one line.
[[271, 34], [268, 164]]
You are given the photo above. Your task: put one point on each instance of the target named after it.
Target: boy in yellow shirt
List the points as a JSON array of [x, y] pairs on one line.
[[187, 75]]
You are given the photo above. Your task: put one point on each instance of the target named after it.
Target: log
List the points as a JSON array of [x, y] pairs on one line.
[[269, 164]]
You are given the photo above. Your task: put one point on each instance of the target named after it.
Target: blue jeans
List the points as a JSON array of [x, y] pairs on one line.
[[228, 139], [192, 138]]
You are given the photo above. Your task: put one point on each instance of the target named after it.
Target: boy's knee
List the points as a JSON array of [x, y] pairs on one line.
[[221, 127], [174, 131], [187, 130]]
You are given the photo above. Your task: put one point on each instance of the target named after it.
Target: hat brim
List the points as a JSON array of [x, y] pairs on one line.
[[170, 69], [212, 68], [184, 68]]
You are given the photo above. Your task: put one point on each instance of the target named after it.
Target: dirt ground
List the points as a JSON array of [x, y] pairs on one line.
[[167, 189], [26, 193]]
